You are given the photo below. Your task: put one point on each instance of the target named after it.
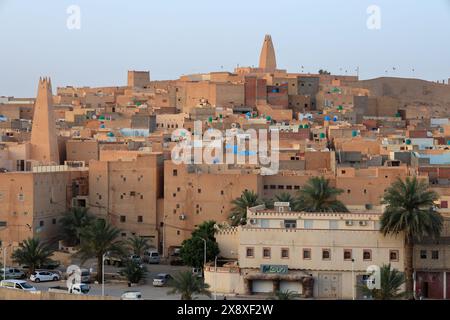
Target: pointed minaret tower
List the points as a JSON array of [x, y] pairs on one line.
[[44, 144], [267, 60]]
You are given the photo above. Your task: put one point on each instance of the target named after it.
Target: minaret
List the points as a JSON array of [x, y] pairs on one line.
[[44, 144], [267, 60]]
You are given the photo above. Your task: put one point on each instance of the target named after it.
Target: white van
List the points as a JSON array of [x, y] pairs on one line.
[[152, 257], [17, 284]]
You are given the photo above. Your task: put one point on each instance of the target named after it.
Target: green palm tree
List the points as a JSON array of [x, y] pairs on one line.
[[33, 253], [284, 295], [188, 285], [72, 223], [410, 211], [247, 199], [318, 196], [391, 281], [138, 245], [133, 271], [99, 238]]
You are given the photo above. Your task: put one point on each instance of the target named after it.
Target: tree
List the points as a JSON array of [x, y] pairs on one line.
[[285, 295], [33, 253], [391, 281], [318, 196], [133, 271], [192, 250], [99, 238], [247, 199], [325, 72], [138, 245], [72, 223], [410, 211], [188, 285]]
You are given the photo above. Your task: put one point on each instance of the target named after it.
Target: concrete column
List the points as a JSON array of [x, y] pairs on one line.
[[276, 285], [247, 286], [445, 285]]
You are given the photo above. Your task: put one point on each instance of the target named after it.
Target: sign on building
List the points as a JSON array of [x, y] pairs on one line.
[[277, 269]]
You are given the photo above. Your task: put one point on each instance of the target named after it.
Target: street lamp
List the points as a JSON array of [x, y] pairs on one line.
[[103, 274], [215, 278], [353, 279]]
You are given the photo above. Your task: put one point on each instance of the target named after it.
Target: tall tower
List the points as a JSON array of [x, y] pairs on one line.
[[44, 144], [267, 60]]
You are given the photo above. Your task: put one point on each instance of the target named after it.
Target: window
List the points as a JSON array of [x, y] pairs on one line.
[[140, 219], [296, 187], [444, 204], [266, 187], [348, 254], [123, 219], [250, 253], [423, 254], [393, 255], [266, 253], [284, 253], [290, 224], [54, 221], [280, 187], [435, 255], [306, 254], [41, 223], [124, 234], [367, 255], [309, 224], [273, 187], [326, 254], [132, 193], [175, 172], [199, 190]]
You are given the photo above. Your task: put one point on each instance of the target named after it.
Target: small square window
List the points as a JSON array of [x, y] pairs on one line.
[[348, 254], [175, 172], [367, 255], [284, 253], [123, 219], [306, 254], [250, 253], [199, 190], [326, 254], [423, 254], [435, 255], [393, 255], [41, 223], [54, 221], [266, 253], [140, 219]]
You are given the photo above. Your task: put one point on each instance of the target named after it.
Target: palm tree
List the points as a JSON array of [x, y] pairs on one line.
[[318, 196], [391, 281], [410, 211], [247, 199], [99, 238], [72, 223], [33, 253], [284, 295], [138, 245], [133, 271], [188, 285]]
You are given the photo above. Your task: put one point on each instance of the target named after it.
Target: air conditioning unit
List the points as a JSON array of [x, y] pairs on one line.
[[183, 217], [253, 221], [349, 223], [363, 223]]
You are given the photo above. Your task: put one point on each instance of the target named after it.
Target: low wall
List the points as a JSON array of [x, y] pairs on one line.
[[11, 294]]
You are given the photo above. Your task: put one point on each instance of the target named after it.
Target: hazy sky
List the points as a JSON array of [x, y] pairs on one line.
[[174, 37]]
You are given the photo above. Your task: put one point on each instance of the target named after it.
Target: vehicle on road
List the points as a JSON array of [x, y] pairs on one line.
[[152, 257], [39, 276], [112, 260], [76, 288], [197, 272], [161, 279], [12, 273], [51, 265], [17, 284], [135, 258], [131, 295]]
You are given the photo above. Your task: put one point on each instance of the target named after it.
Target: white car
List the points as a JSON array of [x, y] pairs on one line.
[[17, 285], [131, 295], [12, 273], [39, 276]]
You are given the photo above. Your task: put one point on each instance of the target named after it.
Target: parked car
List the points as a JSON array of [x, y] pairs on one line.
[[113, 260], [131, 295], [152, 257], [76, 288], [39, 276], [17, 284], [197, 272], [12, 273], [161, 279], [51, 265], [135, 258]]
